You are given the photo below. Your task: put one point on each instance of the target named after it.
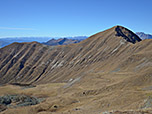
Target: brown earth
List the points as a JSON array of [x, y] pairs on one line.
[[109, 71]]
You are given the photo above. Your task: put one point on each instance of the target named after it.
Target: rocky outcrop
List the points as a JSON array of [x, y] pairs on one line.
[[17, 100]]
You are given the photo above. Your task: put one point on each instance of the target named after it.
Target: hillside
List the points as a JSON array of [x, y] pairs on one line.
[[40, 60], [110, 70]]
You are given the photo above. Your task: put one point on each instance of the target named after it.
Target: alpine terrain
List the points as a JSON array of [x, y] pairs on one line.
[[109, 72]]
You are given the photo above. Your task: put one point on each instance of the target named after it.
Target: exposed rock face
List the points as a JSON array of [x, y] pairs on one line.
[[18, 100], [14, 101], [127, 34], [38, 63]]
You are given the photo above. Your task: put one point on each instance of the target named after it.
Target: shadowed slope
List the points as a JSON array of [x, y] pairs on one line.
[[127, 34]]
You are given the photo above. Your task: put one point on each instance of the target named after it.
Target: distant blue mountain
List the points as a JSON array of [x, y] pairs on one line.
[[6, 41], [78, 37], [45, 40], [61, 41], [65, 41], [143, 36]]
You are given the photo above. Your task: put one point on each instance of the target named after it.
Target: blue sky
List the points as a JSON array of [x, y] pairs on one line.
[[60, 18]]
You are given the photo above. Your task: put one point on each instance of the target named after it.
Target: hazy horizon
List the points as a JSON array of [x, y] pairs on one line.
[[58, 18]]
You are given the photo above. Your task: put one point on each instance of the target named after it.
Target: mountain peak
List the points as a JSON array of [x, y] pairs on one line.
[[143, 35], [127, 34]]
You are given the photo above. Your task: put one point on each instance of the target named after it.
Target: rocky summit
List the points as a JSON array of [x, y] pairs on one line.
[[109, 72]]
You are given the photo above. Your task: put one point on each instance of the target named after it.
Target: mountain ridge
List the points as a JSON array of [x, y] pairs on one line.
[[6, 41], [111, 70], [61, 41], [86, 47]]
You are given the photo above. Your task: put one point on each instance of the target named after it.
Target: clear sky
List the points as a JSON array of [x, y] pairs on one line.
[[56, 18]]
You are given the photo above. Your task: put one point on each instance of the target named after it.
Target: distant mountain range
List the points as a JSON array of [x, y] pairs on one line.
[[143, 36], [6, 41], [45, 40], [57, 40], [61, 41]]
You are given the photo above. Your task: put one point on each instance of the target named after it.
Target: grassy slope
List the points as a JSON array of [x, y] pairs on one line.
[[103, 76]]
